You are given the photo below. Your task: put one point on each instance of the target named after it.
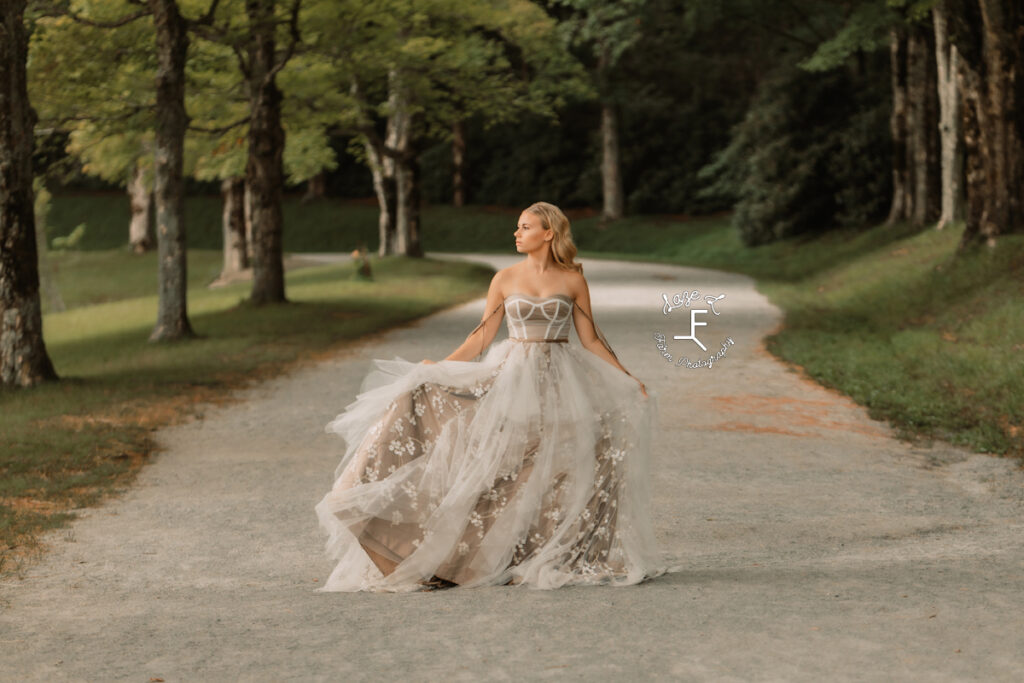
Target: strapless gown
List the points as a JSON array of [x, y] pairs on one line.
[[528, 467]]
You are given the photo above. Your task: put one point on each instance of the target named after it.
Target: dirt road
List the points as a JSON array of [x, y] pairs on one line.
[[811, 545]]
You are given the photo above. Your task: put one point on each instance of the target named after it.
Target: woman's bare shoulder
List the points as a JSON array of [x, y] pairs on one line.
[[576, 283], [503, 277]]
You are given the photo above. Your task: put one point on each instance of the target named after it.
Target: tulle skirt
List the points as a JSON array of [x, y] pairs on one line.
[[529, 467]]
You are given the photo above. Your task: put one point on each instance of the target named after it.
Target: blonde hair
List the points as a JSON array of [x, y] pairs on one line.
[[563, 250]]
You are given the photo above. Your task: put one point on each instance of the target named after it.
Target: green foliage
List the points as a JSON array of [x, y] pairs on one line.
[[522, 163], [606, 27], [678, 91], [70, 241], [452, 60], [810, 154], [98, 84], [867, 30], [41, 207]]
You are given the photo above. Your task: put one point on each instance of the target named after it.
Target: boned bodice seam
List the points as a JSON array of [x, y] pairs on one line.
[[555, 325]]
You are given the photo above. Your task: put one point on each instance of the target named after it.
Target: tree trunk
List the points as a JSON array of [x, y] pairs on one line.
[[409, 200], [23, 358], [459, 163], [932, 201], [946, 57], [406, 214], [247, 205], [991, 82], [233, 226], [415, 207], [900, 208], [316, 188], [384, 188], [611, 175], [171, 121], [141, 235], [265, 170], [399, 153], [922, 125]]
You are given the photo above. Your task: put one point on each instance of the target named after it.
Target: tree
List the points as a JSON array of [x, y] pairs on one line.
[[907, 28], [810, 153], [922, 124], [987, 36], [168, 172], [950, 131], [251, 28], [171, 121], [265, 170], [24, 360], [411, 70], [606, 29], [98, 85]]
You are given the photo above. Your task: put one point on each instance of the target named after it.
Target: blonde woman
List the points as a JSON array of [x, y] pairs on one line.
[[528, 467]]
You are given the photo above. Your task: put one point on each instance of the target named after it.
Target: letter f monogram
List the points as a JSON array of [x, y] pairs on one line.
[[693, 324]]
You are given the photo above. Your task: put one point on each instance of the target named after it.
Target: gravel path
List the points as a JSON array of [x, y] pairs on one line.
[[812, 545]]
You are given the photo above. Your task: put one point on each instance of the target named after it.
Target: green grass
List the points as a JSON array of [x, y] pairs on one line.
[[930, 341], [69, 443]]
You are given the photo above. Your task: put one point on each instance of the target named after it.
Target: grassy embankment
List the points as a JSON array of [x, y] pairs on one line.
[[930, 341]]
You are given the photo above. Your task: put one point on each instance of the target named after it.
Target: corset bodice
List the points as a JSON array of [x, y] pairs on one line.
[[537, 317]]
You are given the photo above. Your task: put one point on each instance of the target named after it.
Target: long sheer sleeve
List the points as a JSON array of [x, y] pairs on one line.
[[602, 338], [482, 323]]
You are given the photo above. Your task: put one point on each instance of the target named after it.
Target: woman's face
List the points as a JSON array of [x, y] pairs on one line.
[[530, 234]]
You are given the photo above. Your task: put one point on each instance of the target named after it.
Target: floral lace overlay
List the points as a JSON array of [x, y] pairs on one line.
[[530, 466]]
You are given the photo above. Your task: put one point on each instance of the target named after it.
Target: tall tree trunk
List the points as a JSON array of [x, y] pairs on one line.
[[316, 188], [247, 205], [922, 125], [141, 235], [406, 211], [611, 174], [23, 357], [265, 170], [900, 207], [611, 169], [382, 168], [233, 226], [933, 140], [409, 200], [384, 188], [415, 206], [459, 163], [399, 153], [946, 58], [987, 34], [171, 121]]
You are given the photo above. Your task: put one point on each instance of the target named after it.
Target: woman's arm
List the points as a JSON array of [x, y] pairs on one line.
[[485, 332], [584, 321]]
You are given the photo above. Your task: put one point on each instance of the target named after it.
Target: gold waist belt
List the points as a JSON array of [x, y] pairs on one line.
[[552, 341]]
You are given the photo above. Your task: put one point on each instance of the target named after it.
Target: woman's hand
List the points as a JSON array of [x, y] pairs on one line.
[[427, 361]]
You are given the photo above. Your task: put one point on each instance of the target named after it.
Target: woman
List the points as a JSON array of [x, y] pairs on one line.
[[528, 467]]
